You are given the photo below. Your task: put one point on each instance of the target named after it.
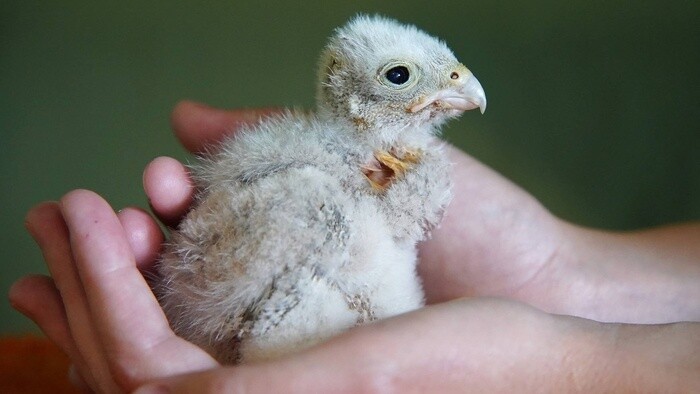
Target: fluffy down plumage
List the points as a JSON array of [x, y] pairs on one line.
[[306, 225]]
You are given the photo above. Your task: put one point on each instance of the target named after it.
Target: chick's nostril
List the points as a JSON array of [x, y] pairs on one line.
[[454, 75]]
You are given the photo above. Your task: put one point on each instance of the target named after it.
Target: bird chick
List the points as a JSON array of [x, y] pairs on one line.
[[306, 225]]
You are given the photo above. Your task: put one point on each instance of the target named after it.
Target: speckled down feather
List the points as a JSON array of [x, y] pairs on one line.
[[306, 225]]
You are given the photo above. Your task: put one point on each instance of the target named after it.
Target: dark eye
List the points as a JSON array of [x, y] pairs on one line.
[[397, 75]]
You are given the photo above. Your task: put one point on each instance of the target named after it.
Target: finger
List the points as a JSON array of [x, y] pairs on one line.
[[197, 125], [115, 288], [45, 223], [126, 315], [36, 297], [144, 236], [169, 190]]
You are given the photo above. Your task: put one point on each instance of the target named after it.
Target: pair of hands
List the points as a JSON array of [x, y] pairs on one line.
[[496, 240]]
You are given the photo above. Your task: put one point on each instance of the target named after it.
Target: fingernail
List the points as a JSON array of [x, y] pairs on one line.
[[29, 220], [36, 217], [152, 389]]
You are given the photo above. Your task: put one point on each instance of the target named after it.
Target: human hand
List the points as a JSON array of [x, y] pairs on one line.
[[497, 240], [102, 313], [97, 306]]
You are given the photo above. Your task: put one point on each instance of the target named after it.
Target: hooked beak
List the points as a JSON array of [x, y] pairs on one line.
[[464, 95]]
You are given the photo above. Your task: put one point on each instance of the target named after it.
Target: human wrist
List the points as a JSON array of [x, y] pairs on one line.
[[656, 358], [613, 357], [627, 278]]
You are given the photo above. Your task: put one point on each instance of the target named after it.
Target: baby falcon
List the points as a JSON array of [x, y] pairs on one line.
[[307, 225]]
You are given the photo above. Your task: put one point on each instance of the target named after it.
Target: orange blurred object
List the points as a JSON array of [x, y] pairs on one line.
[[32, 364]]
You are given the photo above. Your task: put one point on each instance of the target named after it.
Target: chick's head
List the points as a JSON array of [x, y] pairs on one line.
[[385, 77]]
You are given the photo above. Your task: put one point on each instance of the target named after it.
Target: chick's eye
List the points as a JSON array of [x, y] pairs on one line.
[[397, 75]]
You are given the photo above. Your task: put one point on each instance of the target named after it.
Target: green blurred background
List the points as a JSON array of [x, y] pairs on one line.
[[593, 106]]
